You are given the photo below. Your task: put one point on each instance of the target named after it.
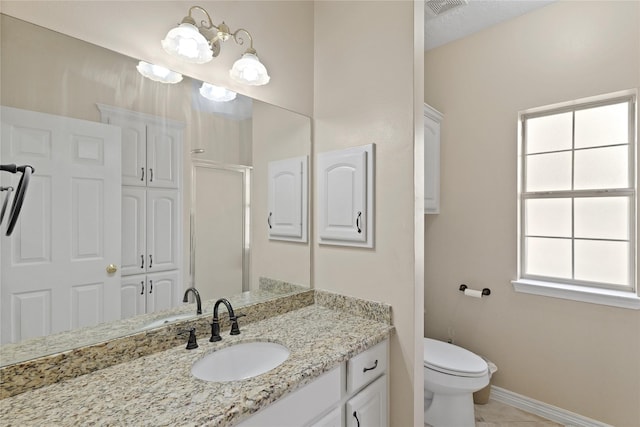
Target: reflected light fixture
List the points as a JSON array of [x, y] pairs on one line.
[[217, 93], [158, 73], [200, 43]]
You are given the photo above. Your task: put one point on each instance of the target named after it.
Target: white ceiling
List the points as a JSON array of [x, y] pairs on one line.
[[477, 15]]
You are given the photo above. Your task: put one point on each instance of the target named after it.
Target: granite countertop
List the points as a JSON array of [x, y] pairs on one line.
[[159, 390]]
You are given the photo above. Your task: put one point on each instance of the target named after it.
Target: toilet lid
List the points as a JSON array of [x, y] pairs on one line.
[[453, 360]]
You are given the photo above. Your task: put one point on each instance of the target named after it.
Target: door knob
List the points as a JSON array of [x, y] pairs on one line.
[[112, 268]]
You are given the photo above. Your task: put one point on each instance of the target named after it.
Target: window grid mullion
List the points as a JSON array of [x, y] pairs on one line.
[[573, 199]]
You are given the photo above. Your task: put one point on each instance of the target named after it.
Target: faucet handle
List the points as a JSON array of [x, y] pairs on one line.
[[235, 329], [192, 343]]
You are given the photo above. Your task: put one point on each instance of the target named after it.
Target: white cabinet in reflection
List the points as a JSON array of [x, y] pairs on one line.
[[287, 199], [150, 230], [345, 184], [146, 293], [151, 147], [151, 215], [432, 120]]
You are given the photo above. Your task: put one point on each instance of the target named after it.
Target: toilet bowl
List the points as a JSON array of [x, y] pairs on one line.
[[451, 375]]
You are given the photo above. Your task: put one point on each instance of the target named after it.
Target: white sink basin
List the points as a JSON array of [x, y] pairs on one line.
[[240, 361], [165, 320]]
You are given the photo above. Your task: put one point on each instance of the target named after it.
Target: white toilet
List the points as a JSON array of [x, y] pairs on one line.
[[451, 376]]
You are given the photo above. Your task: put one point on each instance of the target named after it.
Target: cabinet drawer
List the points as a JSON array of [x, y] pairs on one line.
[[367, 366]]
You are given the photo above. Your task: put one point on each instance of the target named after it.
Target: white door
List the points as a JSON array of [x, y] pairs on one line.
[[163, 213], [54, 266], [134, 233], [219, 208]]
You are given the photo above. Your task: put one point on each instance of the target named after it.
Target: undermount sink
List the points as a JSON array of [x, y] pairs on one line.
[[165, 320], [240, 361]]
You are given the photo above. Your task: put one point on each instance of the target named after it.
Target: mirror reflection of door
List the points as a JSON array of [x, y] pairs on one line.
[[54, 266], [220, 220]]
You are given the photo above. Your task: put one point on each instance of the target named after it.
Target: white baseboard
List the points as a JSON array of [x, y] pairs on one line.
[[542, 409]]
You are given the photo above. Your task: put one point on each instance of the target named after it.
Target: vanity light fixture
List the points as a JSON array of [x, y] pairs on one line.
[[158, 73], [217, 93], [201, 43]]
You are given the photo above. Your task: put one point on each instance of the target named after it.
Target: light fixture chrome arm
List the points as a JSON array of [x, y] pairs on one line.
[[208, 24], [239, 40]]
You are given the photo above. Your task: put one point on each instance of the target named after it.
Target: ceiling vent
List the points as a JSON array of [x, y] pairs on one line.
[[438, 7]]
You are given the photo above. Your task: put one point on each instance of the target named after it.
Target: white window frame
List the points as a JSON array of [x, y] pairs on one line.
[[573, 289]]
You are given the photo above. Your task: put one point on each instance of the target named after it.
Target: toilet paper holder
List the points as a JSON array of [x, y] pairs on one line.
[[485, 291]]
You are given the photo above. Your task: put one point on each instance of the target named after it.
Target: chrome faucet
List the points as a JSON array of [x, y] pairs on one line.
[[215, 324], [197, 295]]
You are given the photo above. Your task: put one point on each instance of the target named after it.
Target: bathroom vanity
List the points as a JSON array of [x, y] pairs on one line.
[[338, 349]]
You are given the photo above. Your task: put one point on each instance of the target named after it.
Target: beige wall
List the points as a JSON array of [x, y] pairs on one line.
[[364, 93], [577, 356], [278, 134]]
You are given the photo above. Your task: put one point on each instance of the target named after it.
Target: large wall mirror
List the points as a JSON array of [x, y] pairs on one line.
[[224, 149]]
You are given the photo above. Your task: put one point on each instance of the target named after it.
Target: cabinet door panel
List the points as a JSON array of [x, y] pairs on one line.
[[287, 199], [432, 119], [134, 147], [162, 230], [345, 196], [132, 296], [163, 152], [369, 407], [134, 211], [162, 291]]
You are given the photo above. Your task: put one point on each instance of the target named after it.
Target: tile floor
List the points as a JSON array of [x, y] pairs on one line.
[[497, 414]]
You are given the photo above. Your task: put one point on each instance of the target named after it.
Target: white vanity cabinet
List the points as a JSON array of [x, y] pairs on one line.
[[345, 187], [432, 120], [287, 199], [354, 391], [146, 293]]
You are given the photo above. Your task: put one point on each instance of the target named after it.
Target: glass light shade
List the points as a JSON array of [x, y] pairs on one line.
[[249, 70], [186, 42], [217, 93], [158, 73]]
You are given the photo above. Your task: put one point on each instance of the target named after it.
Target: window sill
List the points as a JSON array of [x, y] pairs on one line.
[[608, 297]]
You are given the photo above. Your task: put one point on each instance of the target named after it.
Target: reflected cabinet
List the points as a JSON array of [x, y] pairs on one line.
[[151, 197]]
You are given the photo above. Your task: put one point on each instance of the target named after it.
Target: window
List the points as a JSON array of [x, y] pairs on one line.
[[577, 196]]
